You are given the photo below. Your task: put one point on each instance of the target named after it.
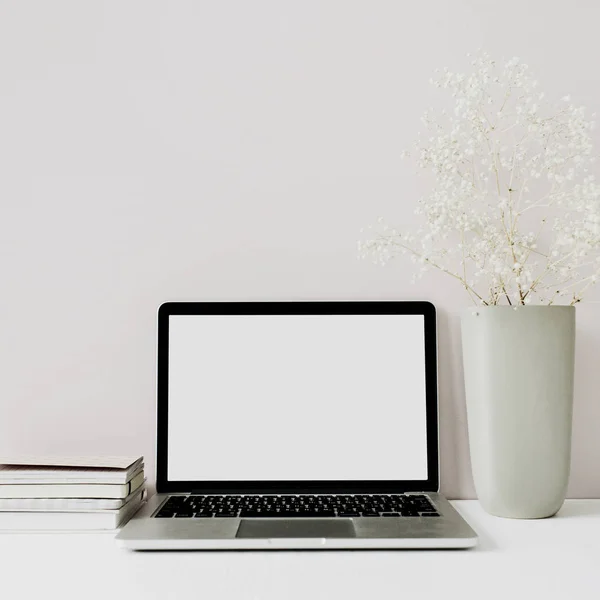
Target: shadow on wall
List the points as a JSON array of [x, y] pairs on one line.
[[455, 463], [585, 456]]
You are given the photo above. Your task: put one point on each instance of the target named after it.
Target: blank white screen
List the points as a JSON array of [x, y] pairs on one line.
[[279, 397]]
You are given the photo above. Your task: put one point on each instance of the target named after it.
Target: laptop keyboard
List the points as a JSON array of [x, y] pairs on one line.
[[286, 506]]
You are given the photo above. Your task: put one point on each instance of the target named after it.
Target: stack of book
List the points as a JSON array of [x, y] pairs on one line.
[[69, 493]]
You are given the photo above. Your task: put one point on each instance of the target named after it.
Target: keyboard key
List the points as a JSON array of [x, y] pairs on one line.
[[429, 514], [165, 514], [390, 514]]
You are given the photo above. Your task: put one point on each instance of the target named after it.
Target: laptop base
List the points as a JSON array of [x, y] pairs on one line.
[[144, 532]]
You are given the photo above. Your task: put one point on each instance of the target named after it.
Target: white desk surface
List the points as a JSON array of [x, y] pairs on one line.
[[551, 558]]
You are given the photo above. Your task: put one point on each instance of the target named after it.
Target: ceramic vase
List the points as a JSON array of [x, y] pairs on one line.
[[518, 370]]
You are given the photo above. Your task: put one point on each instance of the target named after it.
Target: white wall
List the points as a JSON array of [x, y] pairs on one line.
[[154, 151]]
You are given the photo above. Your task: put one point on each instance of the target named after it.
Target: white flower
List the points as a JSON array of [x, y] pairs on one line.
[[500, 136]]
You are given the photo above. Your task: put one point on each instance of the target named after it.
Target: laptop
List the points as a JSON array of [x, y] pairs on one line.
[[286, 425]]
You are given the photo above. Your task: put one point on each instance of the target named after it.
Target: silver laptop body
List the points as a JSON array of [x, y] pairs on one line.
[[287, 425]]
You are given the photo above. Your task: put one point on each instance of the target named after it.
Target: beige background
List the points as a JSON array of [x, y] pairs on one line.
[[154, 151]]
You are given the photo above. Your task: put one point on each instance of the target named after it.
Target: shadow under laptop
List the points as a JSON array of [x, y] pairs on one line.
[[485, 544]]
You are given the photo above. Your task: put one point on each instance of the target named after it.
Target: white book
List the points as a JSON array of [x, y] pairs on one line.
[[70, 521], [113, 462], [36, 469], [64, 504], [71, 490], [25, 474]]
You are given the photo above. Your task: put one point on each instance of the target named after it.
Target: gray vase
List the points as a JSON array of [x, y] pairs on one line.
[[518, 368]]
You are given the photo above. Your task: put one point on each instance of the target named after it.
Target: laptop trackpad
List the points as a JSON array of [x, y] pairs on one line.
[[296, 528]]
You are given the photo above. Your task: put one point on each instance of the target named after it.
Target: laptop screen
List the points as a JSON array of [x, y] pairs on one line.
[[296, 397]]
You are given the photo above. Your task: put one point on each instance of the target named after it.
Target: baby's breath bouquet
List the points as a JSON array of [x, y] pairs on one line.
[[514, 213]]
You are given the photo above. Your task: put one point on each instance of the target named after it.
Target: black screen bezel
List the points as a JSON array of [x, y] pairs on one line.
[[163, 485]]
